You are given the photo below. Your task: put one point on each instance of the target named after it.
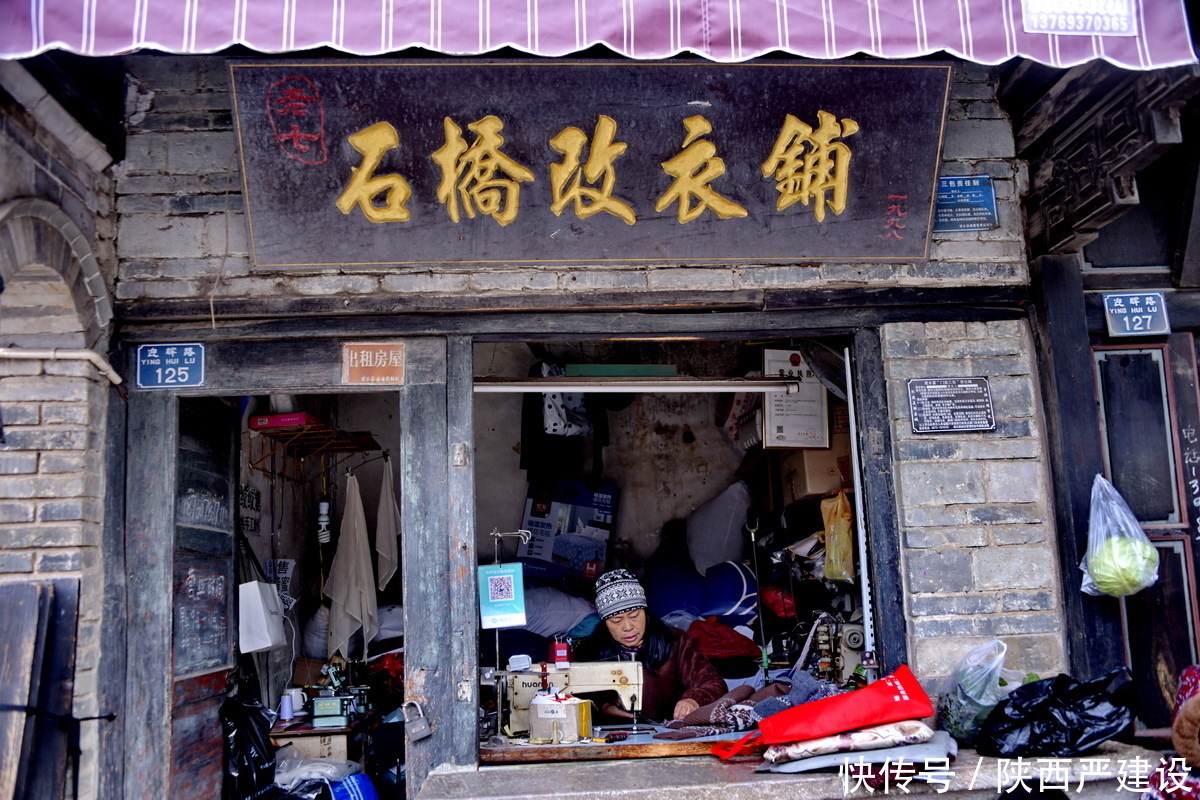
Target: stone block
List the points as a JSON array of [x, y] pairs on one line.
[[1042, 654], [968, 249], [41, 486], [326, 285], [1013, 567], [978, 138], [16, 512], [785, 276], [1018, 534], [200, 152], [703, 278], [70, 534], [934, 516], [1015, 482], [951, 483], [953, 604], [1011, 624], [161, 237], [1001, 513], [1013, 396], [67, 561], [18, 463], [20, 414], [14, 562], [426, 282], [604, 280], [925, 538], [1027, 601], [43, 388], [942, 627], [930, 450], [65, 414], [161, 290], [44, 439], [932, 571], [994, 449], [927, 368], [515, 281]]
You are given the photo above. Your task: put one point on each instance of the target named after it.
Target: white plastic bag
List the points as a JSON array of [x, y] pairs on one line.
[[260, 617], [1120, 559], [977, 684]]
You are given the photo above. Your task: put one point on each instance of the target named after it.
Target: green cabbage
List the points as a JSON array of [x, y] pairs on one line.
[[1122, 566]]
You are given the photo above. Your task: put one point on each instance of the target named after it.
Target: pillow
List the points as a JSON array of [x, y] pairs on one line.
[[714, 530]]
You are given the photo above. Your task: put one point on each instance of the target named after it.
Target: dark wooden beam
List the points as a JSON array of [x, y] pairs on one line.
[[110, 671], [1187, 248], [1060, 333], [430, 678], [879, 500], [429, 312], [150, 543], [460, 499]]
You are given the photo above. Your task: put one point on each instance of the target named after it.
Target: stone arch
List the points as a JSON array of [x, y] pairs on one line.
[[42, 251]]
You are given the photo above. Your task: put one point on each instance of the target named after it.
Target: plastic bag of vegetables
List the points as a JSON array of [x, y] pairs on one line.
[[1120, 559], [977, 684]]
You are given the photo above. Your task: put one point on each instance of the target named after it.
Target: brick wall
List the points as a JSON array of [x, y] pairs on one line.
[[56, 253], [978, 553]]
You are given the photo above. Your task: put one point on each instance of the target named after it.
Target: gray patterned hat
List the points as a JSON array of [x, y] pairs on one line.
[[617, 592]]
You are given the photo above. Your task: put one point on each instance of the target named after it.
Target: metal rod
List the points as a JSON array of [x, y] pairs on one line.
[[618, 385]]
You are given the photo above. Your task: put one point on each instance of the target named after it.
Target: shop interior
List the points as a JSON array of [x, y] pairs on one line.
[[751, 545]]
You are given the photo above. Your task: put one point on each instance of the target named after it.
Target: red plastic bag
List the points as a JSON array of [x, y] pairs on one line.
[[721, 641], [897, 697]]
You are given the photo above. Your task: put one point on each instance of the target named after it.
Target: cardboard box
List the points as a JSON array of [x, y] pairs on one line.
[[570, 522], [813, 472]]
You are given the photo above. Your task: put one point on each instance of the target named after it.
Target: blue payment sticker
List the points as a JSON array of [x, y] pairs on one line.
[[170, 366]]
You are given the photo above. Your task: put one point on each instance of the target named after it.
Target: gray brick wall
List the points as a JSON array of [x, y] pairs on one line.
[[52, 480], [183, 230], [978, 554]]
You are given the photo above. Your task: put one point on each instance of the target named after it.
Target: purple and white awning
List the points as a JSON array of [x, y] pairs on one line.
[[1137, 34]]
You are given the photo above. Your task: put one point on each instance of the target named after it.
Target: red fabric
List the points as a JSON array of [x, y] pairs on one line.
[[721, 641], [780, 602], [897, 697]]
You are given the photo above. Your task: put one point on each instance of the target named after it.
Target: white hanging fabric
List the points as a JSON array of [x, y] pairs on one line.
[[387, 528], [351, 584]]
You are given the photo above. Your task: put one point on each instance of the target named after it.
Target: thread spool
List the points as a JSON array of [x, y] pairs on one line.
[[285, 708]]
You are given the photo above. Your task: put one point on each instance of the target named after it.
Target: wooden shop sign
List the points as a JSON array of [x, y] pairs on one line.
[[368, 164]]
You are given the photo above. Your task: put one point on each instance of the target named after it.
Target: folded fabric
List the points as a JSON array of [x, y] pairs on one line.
[[897, 697], [805, 689], [708, 720], [935, 755], [911, 731]]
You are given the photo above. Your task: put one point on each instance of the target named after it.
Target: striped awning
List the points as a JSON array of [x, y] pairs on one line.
[[1137, 34]]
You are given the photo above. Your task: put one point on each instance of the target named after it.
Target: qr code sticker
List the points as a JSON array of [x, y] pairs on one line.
[[500, 587]]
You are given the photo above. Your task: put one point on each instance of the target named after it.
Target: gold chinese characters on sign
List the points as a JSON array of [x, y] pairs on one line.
[[373, 363], [810, 166]]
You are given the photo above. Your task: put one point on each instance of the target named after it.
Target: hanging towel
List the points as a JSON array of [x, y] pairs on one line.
[[387, 528], [351, 583]]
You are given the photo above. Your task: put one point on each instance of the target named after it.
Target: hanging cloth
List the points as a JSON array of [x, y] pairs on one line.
[[351, 583], [387, 528]]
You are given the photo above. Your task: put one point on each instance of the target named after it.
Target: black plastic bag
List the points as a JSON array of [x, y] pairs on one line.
[[249, 756], [1057, 717]]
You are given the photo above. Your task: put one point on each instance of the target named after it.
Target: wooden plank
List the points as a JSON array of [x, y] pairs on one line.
[[596, 751], [1187, 249], [50, 743], [879, 500], [110, 671], [18, 640], [416, 314], [1060, 332], [28, 761], [1181, 350], [1058, 107], [803, 319], [150, 537], [197, 766], [425, 563], [464, 614]]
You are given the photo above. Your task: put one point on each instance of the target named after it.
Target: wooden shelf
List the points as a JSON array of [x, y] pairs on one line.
[[303, 442]]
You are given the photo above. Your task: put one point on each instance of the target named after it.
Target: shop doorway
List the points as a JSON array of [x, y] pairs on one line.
[[643, 475], [260, 493]]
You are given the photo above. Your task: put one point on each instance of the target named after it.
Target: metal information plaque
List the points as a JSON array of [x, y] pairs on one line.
[[1136, 314], [944, 405], [170, 366], [965, 203]]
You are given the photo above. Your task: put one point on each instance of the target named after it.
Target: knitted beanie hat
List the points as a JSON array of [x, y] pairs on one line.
[[617, 592]]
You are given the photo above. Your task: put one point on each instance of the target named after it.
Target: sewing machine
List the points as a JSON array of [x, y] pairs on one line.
[[582, 677]]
